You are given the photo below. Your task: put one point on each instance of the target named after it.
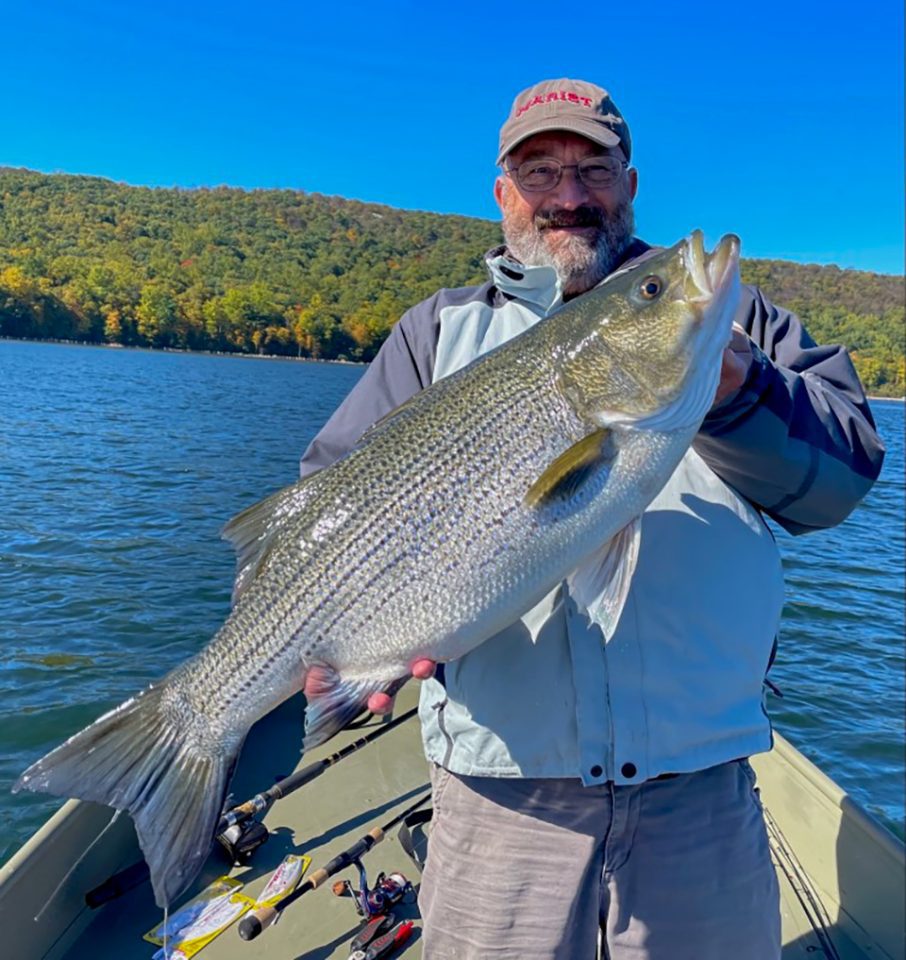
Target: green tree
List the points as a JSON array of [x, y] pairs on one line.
[[314, 328], [156, 315]]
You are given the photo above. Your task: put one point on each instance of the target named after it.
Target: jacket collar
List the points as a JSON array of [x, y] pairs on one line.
[[537, 285], [541, 285]]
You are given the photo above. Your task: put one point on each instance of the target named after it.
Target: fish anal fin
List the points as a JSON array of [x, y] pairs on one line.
[[334, 702], [565, 476]]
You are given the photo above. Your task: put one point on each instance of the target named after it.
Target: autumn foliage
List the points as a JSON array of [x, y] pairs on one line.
[[288, 273]]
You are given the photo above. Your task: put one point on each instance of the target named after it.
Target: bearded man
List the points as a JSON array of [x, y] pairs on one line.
[[580, 783]]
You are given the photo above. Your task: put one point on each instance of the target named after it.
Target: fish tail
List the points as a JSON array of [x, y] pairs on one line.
[[138, 759]]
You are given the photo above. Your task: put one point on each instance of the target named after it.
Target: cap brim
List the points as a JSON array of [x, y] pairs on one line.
[[590, 129]]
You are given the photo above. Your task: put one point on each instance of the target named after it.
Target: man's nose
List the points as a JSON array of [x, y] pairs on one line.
[[570, 192]]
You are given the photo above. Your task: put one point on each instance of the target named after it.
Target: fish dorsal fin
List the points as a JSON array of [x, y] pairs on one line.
[[566, 475], [402, 410], [601, 585], [252, 532]]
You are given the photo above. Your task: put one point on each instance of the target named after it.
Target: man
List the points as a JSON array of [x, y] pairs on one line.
[[578, 781]]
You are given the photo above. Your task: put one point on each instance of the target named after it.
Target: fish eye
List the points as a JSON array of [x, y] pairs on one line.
[[650, 287]]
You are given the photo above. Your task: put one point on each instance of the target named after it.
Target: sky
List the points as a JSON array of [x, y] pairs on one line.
[[779, 121]]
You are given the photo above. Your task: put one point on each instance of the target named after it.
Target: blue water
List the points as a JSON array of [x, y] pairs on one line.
[[118, 469]]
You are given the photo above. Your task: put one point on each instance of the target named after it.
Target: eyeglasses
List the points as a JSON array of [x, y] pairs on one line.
[[536, 176]]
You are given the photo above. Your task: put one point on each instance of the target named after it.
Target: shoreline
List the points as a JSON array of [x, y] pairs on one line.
[[258, 356], [201, 353]]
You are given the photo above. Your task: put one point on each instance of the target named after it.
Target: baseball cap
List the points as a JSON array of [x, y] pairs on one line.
[[573, 105]]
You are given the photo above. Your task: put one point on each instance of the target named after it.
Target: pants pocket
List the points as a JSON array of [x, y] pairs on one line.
[[439, 780], [752, 780]]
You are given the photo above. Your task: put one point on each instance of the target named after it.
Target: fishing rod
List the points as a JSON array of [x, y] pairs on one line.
[[238, 840], [252, 924]]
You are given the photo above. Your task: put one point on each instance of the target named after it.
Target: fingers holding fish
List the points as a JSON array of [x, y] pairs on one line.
[[318, 678], [735, 364]]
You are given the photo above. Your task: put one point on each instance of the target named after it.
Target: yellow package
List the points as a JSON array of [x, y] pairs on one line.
[[284, 880], [199, 921]]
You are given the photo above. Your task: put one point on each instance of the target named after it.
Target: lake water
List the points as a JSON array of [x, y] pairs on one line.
[[118, 469]]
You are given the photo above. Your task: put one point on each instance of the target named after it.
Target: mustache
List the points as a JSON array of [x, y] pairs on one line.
[[580, 217]]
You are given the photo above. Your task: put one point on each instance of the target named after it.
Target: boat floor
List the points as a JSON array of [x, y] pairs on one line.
[[319, 820]]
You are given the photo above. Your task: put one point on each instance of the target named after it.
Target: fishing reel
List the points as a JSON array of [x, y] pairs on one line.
[[241, 840], [388, 890]]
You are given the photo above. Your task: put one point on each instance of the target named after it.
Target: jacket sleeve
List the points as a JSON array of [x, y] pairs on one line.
[[403, 366], [797, 438]]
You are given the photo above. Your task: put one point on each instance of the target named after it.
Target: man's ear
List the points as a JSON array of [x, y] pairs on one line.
[[633, 175], [498, 190]]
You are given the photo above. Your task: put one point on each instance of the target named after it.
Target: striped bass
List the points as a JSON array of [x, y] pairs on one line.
[[450, 519]]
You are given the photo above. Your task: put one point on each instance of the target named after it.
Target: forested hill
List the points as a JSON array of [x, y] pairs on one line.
[[285, 272]]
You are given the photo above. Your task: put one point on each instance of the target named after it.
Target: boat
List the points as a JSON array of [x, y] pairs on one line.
[[842, 874]]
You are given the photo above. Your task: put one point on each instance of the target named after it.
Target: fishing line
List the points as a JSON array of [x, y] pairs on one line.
[[77, 864]]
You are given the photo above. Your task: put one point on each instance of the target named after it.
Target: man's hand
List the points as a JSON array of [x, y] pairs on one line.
[[379, 703], [735, 364]]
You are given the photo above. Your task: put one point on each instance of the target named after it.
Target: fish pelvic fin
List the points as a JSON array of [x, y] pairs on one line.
[[337, 702], [136, 759], [601, 585], [565, 476]]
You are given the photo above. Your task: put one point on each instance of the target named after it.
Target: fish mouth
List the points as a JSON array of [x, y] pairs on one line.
[[709, 274]]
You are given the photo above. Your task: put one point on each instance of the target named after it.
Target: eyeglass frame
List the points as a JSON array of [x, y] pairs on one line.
[[513, 173]]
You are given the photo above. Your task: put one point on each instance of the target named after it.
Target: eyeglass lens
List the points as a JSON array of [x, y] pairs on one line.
[[545, 174]]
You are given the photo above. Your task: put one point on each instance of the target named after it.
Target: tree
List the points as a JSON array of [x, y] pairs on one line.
[[113, 327], [314, 327], [156, 315], [369, 325], [16, 283]]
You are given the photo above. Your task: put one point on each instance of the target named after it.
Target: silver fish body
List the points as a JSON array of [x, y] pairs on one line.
[[448, 521]]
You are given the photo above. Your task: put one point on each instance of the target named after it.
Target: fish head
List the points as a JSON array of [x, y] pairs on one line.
[[648, 341]]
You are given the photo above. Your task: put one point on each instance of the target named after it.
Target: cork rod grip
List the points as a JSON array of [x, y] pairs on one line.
[[254, 923], [317, 878]]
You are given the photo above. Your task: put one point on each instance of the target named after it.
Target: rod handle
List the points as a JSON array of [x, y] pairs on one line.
[[254, 923], [315, 879]]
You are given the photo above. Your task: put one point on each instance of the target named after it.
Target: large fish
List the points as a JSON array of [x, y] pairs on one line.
[[450, 519]]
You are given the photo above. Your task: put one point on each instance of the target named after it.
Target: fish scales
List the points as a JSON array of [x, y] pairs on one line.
[[381, 577]]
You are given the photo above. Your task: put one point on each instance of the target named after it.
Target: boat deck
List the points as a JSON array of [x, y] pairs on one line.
[[854, 872]]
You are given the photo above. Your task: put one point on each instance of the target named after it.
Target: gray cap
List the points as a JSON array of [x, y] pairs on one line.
[[572, 105]]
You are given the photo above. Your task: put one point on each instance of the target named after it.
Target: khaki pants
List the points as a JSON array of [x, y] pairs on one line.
[[674, 869]]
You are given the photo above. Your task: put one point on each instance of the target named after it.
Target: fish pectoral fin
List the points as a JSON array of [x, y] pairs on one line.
[[336, 702], [252, 532], [566, 475], [601, 585]]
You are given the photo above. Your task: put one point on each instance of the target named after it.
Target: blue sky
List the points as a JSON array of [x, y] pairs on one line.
[[781, 122]]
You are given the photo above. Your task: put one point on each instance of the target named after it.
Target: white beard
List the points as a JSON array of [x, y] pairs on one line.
[[580, 263]]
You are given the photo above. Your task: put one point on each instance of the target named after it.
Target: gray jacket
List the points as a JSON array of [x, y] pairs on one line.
[[679, 685]]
